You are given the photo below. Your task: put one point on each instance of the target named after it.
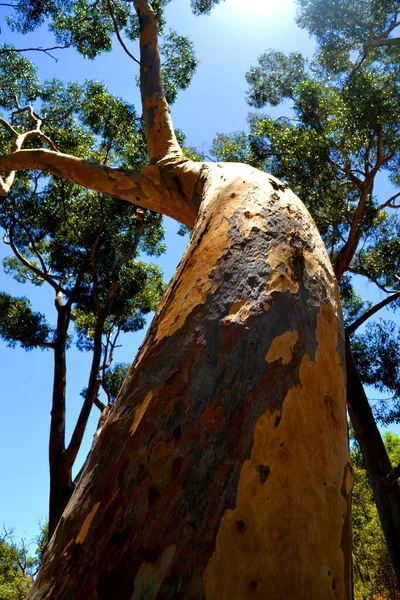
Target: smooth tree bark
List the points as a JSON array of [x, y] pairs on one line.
[[222, 470], [61, 485]]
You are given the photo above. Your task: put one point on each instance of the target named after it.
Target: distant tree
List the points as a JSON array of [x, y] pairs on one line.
[[87, 247], [373, 573], [16, 568], [345, 27]]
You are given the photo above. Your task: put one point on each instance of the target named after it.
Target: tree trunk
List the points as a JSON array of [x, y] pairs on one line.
[[223, 469], [377, 462], [61, 486]]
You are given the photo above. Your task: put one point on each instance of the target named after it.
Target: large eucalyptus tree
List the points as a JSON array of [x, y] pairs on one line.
[[222, 470]]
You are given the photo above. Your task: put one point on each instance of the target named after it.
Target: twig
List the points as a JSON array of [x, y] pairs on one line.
[[371, 278], [370, 312], [44, 50]]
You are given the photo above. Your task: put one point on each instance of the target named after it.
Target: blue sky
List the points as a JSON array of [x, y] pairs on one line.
[[227, 43]]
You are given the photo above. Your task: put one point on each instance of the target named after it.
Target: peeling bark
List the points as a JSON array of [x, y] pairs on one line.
[[223, 468]]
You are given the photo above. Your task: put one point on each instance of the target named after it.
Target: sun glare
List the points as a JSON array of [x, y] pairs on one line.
[[258, 8]]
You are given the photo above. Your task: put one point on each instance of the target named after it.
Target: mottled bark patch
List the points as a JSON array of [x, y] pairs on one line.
[[184, 456]]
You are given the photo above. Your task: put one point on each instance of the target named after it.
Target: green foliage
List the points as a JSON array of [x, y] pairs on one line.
[[16, 569], [234, 147], [114, 379], [377, 354], [345, 26], [275, 78], [203, 7], [179, 64], [373, 574], [380, 255], [17, 78], [42, 540], [17, 565], [19, 324]]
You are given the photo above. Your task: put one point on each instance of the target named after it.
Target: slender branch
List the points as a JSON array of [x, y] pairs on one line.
[[30, 266], [43, 136], [117, 33], [348, 172], [99, 404], [370, 312], [93, 252], [35, 250], [35, 344], [391, 27], [9, 128], [347, 252], [371, 278], [113, 346], [379, 150], [44, 50], [390, 202]]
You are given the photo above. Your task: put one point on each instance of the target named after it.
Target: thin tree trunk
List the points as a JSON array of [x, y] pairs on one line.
[[61, 485], [90, 396], [377, 462], [223, 469]]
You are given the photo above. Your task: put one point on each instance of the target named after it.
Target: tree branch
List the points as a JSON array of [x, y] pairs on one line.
[[371, 278], [44, 50], [390, 202], [154, 187], [347, 252], [160, 134], [30, 266], [370, 312], [378, 42]]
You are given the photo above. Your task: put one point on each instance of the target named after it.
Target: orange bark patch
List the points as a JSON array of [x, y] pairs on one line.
[[282, 278], [238, 311], [251, 220], [295, 472], [84, 530], [139, 412], [282, 347]]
